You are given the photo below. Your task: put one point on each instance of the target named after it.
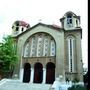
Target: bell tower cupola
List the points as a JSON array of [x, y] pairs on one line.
[[18, 27], [70, 21]]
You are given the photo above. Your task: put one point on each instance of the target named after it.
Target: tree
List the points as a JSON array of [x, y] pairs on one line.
[[8, 54], [85, 78], [77, 87]]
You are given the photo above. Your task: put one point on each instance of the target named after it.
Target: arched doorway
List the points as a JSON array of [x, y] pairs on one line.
[[27, 72], [38, 73], [50, 73]]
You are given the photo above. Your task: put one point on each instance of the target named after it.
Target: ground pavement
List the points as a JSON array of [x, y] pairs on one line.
[[7, 84]]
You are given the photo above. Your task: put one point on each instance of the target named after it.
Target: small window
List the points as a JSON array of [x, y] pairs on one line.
[[39, 49], [22, 29], [40, 45], [46, 40], [17, 28], [45, 45], [52, 53], [32, 55], [40, 41], [17, 23], [12, 27], [45, 49], [33, 42], [52, 49], [33, 50], [53, 45], [69, 19], [33, 46], [45, 54], [76, 22]]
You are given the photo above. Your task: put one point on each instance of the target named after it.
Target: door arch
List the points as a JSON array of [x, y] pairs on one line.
[[38, 73], [50, 73], [27, 73]]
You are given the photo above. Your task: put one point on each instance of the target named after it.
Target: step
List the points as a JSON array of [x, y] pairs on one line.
[[16, 85], [40, 86]]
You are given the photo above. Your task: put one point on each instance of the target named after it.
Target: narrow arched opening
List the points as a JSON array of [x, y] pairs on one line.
[[50, 73], [27, 73], [38, 73]]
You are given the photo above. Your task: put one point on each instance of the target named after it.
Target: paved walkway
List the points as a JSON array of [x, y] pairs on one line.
[[16, 85]]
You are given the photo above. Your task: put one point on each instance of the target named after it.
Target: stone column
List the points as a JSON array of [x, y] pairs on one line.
[[32, 75], [44, 75], [21, 74]]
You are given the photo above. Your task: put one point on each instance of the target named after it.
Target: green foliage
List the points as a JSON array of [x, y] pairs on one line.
[[75, 80], [77, 87], [85, 77], [8, 54]]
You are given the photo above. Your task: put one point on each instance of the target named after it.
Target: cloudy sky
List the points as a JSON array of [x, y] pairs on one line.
[[48, 11]]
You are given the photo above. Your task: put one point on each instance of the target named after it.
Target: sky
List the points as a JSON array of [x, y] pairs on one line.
[[45, 11]]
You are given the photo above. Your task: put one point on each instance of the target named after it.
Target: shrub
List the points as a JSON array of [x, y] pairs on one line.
[[77, 87], [76, 80]]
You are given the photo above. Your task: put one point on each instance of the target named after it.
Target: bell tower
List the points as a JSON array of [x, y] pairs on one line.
[[70, 21], [18, 27], [73, 50]]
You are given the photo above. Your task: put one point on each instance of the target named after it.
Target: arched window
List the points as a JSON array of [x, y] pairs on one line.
[[69, 19], [76, 23], [45, 46], [52, 48], [26, 50], [32, 49], [40, 44], [71, 47]]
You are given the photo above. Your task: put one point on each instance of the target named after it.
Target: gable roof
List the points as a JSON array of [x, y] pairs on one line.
[[56, 27]]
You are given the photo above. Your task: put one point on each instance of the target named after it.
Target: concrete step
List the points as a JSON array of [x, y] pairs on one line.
[[40, 86], [16, 85]]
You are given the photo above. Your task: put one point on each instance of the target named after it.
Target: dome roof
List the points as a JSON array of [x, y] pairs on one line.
[[21, 23], [69, 12]]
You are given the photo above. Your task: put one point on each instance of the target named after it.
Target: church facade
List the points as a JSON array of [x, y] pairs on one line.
[[46, 52]]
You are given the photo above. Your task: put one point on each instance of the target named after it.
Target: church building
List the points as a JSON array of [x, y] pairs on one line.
[[46, 52]]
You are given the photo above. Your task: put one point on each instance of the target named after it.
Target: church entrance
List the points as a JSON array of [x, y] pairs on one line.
[[27, 72], [50, 73], [38, 73]]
